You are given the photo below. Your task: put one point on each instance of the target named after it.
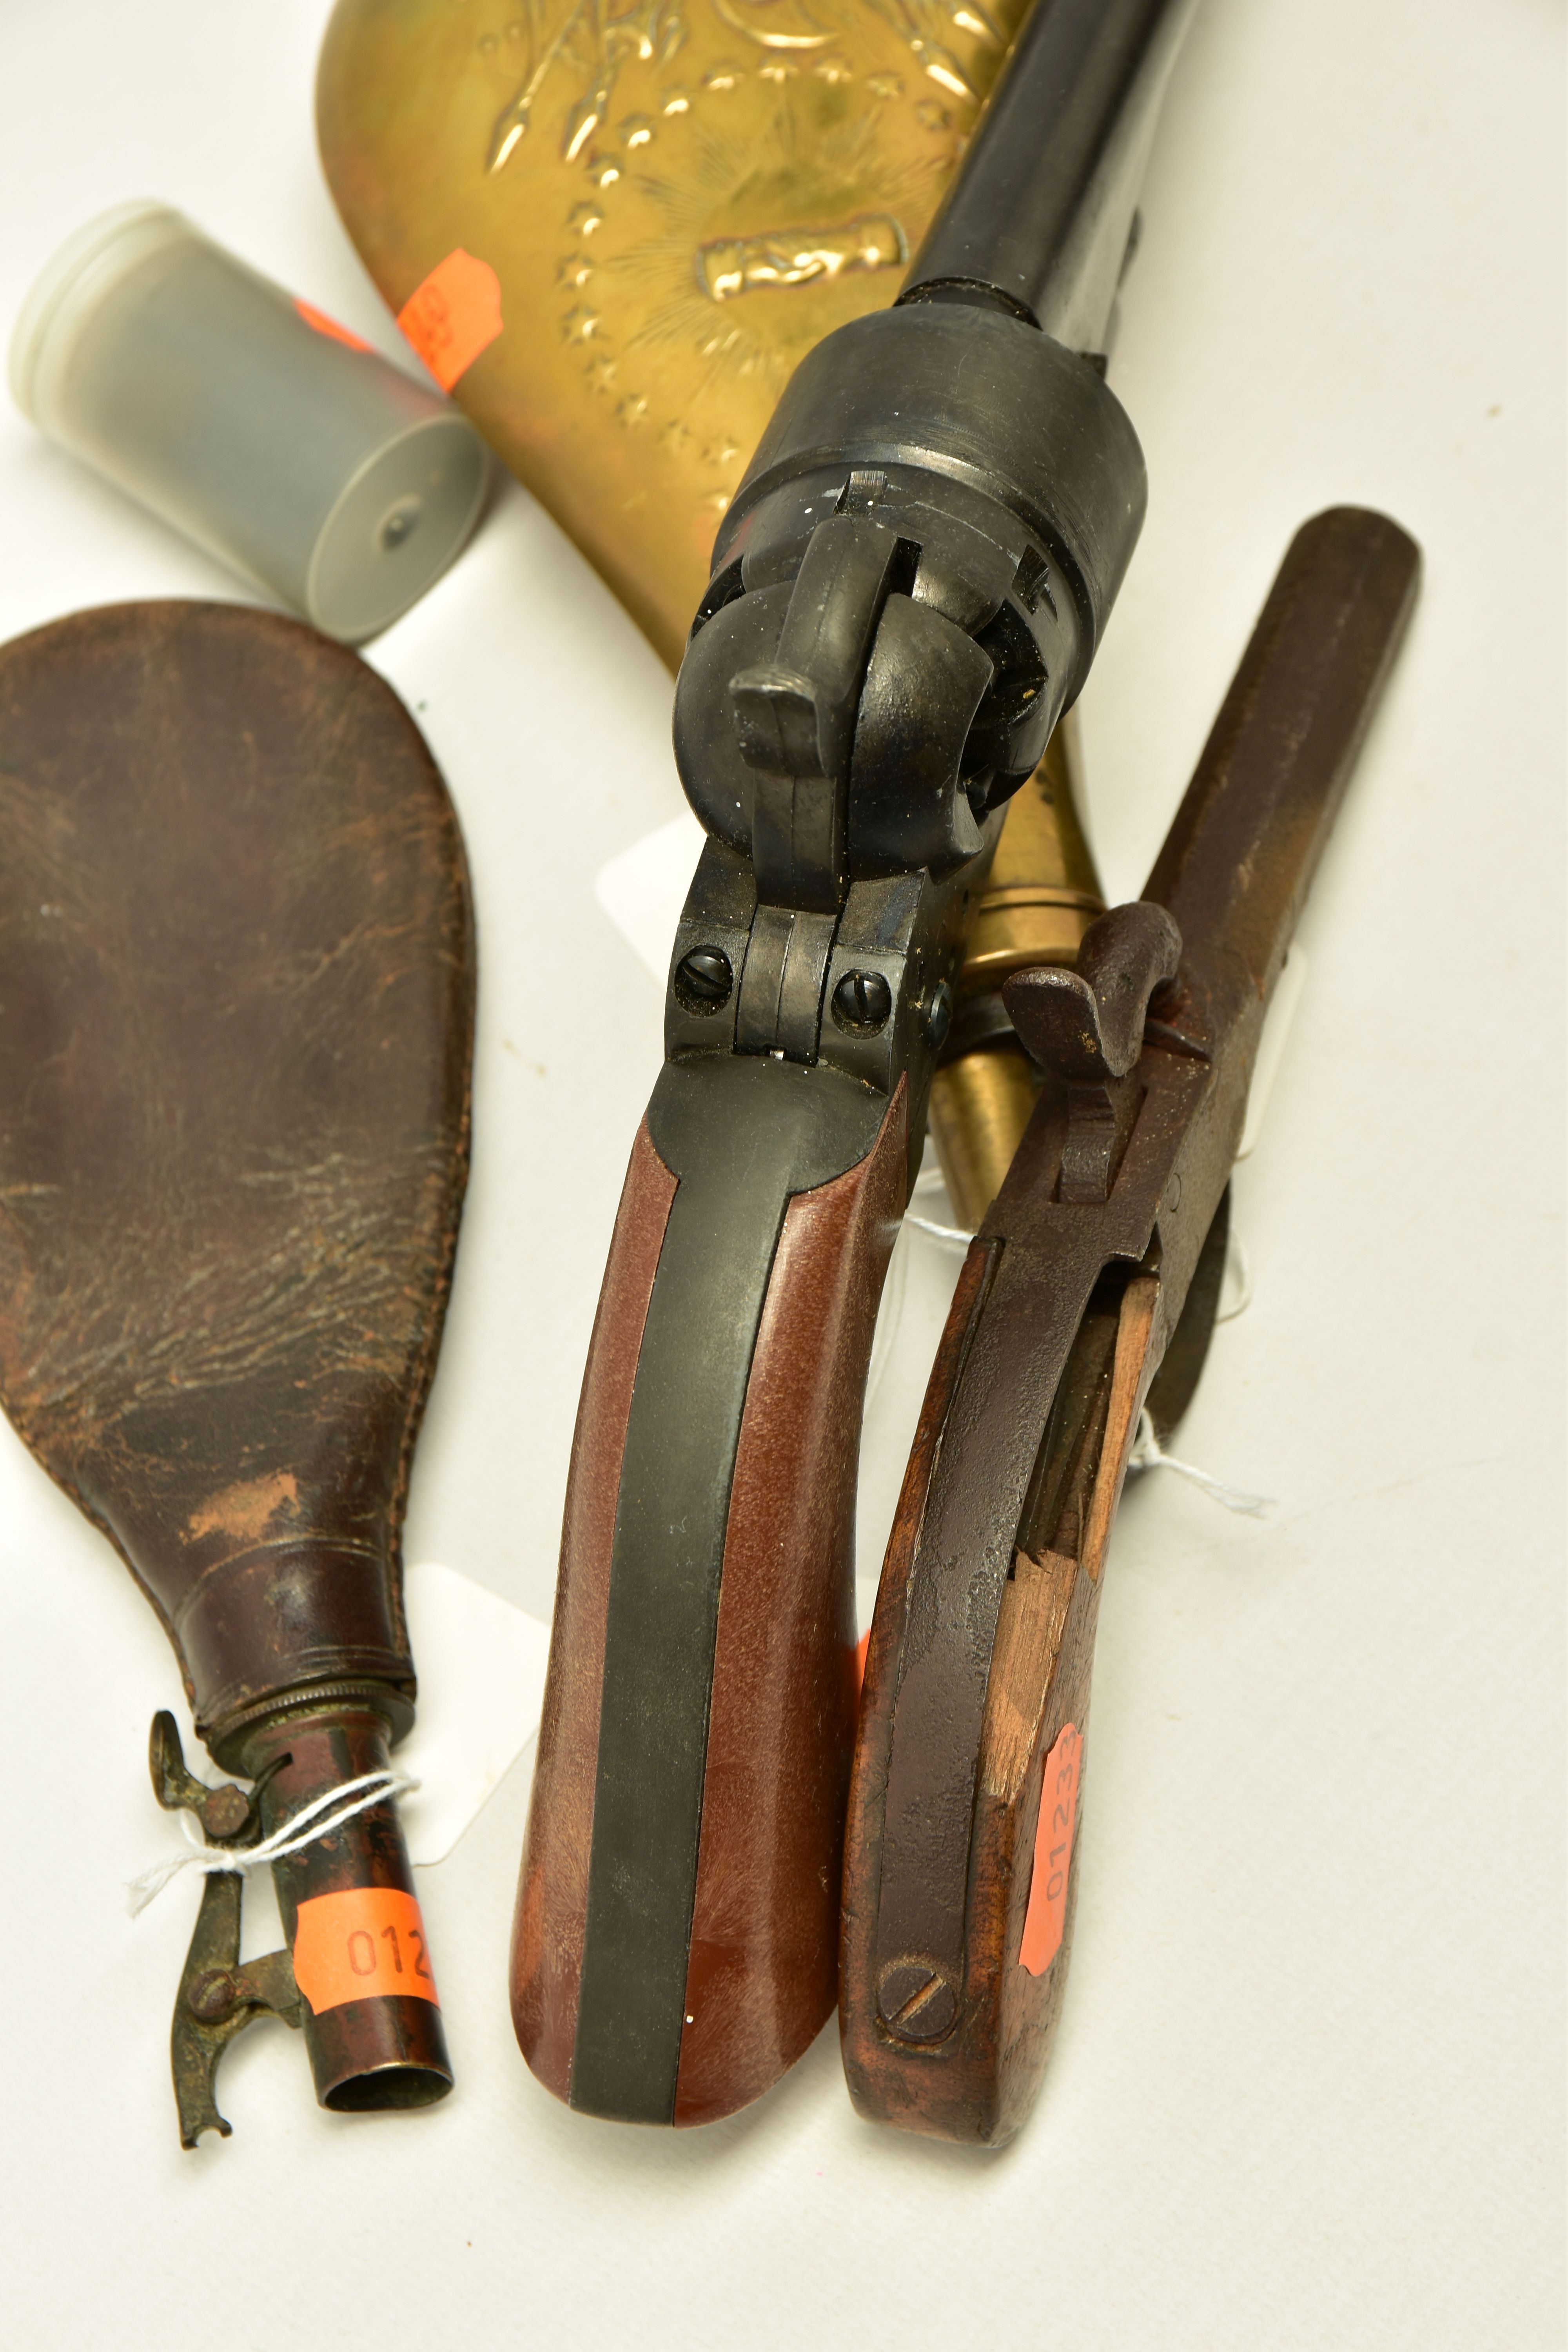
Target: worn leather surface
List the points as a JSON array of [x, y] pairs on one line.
[[552, 1891], [236, 985]]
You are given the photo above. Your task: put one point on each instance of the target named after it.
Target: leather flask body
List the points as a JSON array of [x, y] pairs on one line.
[[237, 990]]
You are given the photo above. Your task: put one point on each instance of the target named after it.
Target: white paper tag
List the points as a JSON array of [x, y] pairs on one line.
[[644, 889], [481, 1683]]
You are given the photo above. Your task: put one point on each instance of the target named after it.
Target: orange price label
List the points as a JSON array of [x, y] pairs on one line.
[[361, 1945], [1047, 1916], [453, 316], [322, 325]]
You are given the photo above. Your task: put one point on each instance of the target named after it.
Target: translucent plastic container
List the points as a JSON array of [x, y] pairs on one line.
[[248, 420]]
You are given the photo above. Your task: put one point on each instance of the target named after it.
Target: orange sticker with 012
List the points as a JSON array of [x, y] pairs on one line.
[[361, 1945], [1045, 1921]]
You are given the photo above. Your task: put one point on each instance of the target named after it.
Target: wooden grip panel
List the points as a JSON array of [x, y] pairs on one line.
[[977, 2081], [762, 1975], [675, 1946], [552, 1891]]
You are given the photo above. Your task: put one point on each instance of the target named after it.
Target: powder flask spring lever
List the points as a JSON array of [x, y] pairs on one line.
[[217, 1996]]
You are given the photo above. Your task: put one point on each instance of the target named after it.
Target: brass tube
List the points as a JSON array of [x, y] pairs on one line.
[[1042, 897], [371, 2046]]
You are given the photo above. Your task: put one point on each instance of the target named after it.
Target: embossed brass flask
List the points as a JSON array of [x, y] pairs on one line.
[[678, 199]]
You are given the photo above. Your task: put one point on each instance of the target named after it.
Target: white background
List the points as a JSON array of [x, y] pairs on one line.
[[1307, 2091]]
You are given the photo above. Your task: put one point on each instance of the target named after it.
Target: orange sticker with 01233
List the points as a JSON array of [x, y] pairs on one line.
[[361, 1945], [319, 320], [453, 315], [1046, 1919]]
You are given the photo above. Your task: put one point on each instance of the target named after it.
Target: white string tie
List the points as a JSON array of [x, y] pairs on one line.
[[1148, 1454], [958, 1233], [305, 1827], [1238, 1264]]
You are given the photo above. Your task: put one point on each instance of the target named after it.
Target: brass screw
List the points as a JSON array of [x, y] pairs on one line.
[[213, 1995], [224, 1812]]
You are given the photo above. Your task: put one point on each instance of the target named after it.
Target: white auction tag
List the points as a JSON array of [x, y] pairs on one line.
[[482, 1666], [644, 889]]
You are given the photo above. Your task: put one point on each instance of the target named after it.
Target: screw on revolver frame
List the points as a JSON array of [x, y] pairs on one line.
[[703, 979], [939, 1012], [917, 2003], [862, 1001]]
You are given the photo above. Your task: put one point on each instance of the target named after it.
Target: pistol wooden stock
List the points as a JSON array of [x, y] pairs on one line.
[[1091, 1287]]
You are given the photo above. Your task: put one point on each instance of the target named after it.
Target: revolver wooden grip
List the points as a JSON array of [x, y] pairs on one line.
[[675, 1946]]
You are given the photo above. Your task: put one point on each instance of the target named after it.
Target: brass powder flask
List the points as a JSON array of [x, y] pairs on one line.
[[677, 200]]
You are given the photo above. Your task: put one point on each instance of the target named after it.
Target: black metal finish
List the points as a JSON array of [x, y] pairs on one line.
[[1041, 218], [1011, 476], [861, 1002], [702, 979]]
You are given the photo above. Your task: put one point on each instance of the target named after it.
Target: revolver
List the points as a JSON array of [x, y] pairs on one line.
[[906, 594]]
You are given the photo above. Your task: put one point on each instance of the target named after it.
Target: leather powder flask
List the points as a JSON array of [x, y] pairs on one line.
[[236, 990]]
